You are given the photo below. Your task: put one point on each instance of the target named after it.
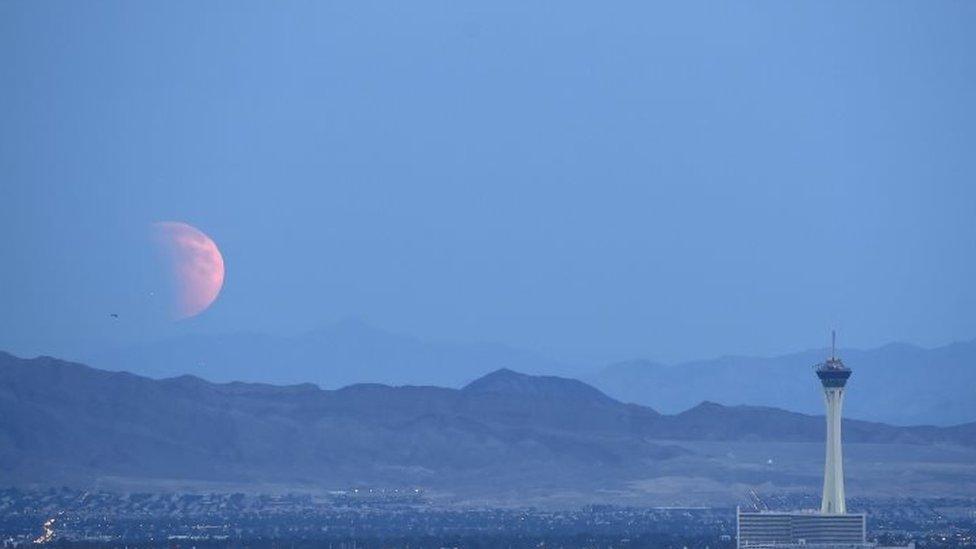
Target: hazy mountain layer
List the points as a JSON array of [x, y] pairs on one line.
[[345, 353], [897, 383]]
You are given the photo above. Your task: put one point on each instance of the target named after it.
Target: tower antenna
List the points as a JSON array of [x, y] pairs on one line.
[[833, 344]]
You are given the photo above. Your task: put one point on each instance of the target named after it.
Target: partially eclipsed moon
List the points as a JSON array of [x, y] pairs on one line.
[[197, 268]]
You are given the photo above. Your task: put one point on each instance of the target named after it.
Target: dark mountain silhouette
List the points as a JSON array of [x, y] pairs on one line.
[[66, 423], [898, 383]]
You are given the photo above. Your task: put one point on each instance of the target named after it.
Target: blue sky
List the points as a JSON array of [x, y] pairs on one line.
[[595, 181]]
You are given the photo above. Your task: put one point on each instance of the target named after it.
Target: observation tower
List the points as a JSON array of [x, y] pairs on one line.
[[833, 376]]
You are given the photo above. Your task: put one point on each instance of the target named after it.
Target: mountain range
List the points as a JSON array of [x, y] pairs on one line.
[[347, 352], [897, 383], [505, 434]]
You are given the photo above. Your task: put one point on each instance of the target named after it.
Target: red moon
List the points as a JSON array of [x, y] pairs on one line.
[[195, 263]]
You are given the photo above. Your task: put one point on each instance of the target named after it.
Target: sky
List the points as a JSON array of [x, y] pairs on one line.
[[594, 181]]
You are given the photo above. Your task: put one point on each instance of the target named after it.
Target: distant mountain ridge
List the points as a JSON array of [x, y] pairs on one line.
[[896, 383], [66, 423], [348, 352]]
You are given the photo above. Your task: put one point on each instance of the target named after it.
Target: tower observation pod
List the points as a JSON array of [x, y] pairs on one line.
[[833, 375]]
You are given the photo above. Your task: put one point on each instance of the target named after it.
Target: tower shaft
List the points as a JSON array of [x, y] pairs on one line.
[[833, 488]]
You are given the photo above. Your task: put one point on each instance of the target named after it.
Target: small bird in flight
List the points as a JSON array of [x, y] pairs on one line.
[[114, 315]]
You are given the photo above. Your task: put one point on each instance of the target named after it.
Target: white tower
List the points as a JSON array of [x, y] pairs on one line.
[[833, 375]]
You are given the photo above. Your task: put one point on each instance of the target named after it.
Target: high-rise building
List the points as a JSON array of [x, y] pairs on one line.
[[771, 529], [833, 376]]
